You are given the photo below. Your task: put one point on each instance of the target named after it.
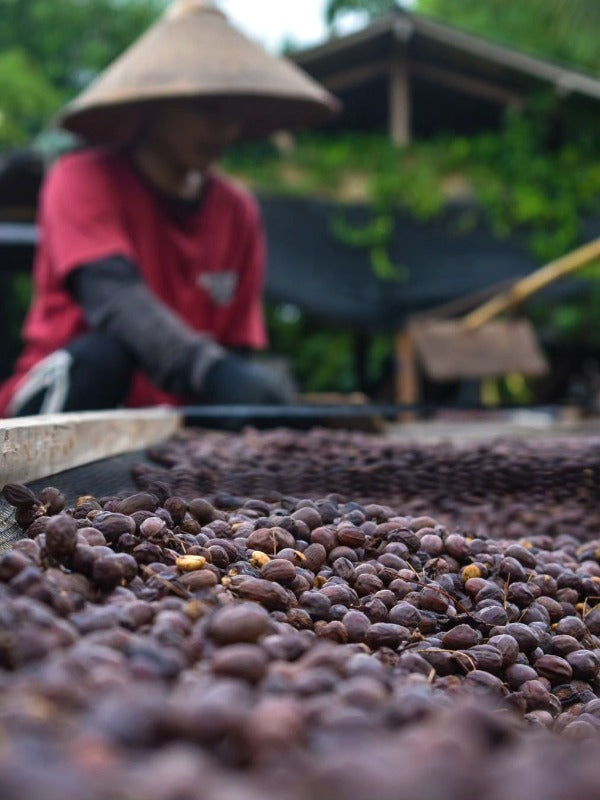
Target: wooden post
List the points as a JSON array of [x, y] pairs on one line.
[[406, 388], [399, 99], [361, 342], [406, 374]]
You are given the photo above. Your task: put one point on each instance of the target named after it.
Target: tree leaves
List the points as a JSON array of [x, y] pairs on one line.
[[49, 49], [27, 98], [565, 30]]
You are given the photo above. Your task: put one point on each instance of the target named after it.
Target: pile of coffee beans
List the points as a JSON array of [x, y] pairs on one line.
[[241, 641], [504, 488]]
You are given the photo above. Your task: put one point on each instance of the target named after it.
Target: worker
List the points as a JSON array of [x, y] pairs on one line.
[[149, 270]]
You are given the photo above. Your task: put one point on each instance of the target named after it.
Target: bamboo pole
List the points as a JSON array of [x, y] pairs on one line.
[[532, 283]]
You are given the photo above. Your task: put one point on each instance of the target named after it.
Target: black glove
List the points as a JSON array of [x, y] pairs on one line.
[[235, 380]]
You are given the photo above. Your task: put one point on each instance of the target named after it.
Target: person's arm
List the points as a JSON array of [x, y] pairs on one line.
[[115, 299]]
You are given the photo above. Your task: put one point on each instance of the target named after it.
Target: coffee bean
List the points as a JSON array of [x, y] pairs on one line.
[[243, 622]]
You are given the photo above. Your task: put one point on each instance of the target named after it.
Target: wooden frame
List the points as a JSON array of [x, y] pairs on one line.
[[34, 447]]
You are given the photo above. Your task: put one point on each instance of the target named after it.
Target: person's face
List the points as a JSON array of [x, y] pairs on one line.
[[190, 134]]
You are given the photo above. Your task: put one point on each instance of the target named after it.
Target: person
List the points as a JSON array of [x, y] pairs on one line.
[[149, 271]]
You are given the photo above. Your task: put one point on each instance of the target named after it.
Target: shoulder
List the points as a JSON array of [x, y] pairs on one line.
[[87, 160], [91, 168]]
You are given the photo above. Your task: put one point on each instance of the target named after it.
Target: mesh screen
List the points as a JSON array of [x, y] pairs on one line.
[[505, 487], [9, 530], [103, 477]]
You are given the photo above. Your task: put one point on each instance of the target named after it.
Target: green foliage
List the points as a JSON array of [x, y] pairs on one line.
[[566, 30], [539, 174], [71, 40], [27, 98], [49, 49], [574, 319], [322, 358], [15, 290], [374, 236]]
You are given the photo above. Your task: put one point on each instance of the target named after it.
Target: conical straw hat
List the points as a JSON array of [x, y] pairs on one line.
[[193, 52]]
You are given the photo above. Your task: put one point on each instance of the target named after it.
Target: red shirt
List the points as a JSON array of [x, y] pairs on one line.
[[206, 262]]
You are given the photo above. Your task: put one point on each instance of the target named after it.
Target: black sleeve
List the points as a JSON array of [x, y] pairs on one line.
[[115, 300]]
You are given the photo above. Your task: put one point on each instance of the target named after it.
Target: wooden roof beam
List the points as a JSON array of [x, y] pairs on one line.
[[347, 78], [476, 87]]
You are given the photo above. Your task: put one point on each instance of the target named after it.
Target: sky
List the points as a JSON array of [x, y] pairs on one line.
[[272, 22]]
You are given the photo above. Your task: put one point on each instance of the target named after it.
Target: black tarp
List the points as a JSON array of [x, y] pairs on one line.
[[311, 268]]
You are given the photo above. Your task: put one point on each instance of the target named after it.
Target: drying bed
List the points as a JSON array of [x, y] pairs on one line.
[[307, 615]]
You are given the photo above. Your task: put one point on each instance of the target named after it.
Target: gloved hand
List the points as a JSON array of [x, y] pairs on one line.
[[235, 380]]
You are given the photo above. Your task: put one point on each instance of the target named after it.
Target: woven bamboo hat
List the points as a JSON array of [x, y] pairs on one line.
[[193, 52]]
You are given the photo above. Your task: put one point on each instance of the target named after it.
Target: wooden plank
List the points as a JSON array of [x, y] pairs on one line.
[[34, 447], [447, 351]]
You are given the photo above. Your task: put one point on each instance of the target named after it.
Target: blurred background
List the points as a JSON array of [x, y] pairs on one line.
[[466, 156]]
